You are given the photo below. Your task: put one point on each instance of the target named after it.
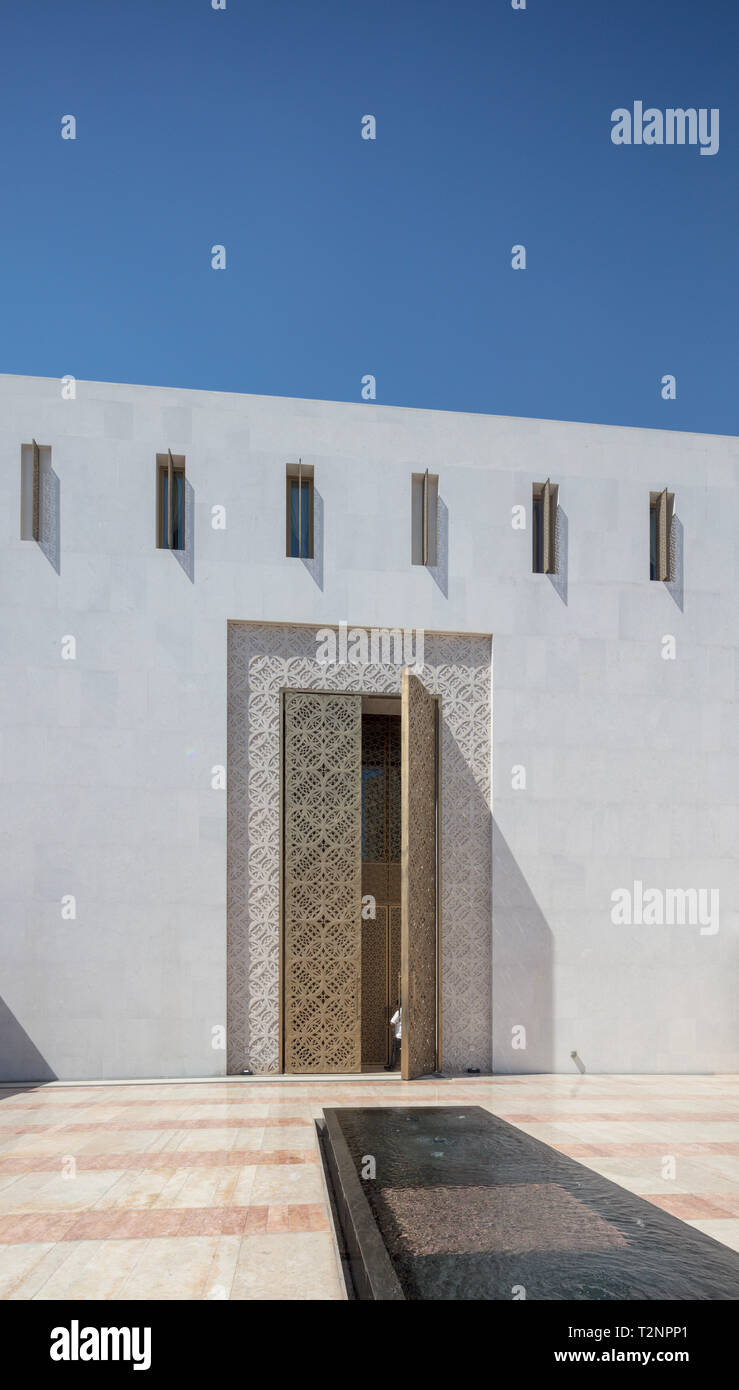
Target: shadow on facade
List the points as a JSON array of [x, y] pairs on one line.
[[559, 580], [50, 538], [186, 558], [676, 587], [314, 565], [21, 1059], [523, 956], [440, 572]]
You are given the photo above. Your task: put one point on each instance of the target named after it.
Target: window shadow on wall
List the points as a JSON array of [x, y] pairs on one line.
[[186, 558], [440, 571], [559, 580], [20, 1059], [675, 587], [50, 529], [523, 954], [314, 565]]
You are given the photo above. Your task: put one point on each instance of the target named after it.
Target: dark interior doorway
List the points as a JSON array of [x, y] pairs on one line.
[[381, 854]]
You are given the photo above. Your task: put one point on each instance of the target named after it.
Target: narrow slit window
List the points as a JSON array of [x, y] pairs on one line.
[[170, 501], [544, 527], [299, 520], [424, 518], [661, 510]]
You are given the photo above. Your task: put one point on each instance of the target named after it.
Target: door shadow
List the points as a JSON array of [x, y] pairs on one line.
[[523, 953]]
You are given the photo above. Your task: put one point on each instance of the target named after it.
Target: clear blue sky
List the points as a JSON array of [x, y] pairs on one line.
[[392, 257]]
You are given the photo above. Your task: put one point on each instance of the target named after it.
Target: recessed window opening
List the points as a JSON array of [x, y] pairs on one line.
[[544, 527], [661, 511], [299, 520], [171, 501], [424, 518]]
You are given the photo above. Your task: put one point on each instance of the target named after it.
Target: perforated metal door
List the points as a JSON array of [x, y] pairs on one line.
[[322, 882]]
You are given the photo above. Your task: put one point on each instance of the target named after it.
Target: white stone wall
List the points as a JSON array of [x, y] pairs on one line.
[[105, 771]]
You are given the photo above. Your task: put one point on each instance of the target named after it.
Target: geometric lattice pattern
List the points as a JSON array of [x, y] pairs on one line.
[[265, 658], [418, 892], [323, 886]]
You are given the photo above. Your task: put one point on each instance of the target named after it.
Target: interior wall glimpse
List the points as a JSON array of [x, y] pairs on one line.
[[380, 884]]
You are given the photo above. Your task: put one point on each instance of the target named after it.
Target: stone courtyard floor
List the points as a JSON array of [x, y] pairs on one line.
[[214, 1189]]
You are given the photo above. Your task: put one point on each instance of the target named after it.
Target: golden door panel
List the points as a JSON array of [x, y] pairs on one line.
[[322, 941]]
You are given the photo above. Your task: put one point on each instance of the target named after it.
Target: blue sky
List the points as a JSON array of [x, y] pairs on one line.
[[392, 257]]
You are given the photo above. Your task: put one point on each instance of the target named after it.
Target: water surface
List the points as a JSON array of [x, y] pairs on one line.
[[469, 1207]]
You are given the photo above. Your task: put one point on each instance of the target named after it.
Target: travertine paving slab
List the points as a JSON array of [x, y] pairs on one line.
[[214, 1190]]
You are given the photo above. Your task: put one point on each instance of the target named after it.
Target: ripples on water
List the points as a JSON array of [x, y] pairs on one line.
[[469, 1207]]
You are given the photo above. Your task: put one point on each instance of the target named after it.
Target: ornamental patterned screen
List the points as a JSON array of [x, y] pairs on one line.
[[323, 885], [264, 660], [418, 929]]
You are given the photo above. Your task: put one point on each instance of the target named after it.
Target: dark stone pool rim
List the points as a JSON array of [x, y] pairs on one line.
[[368, 1269]]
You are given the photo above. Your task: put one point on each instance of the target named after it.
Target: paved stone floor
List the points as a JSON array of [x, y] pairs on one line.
[[210, 1190]]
